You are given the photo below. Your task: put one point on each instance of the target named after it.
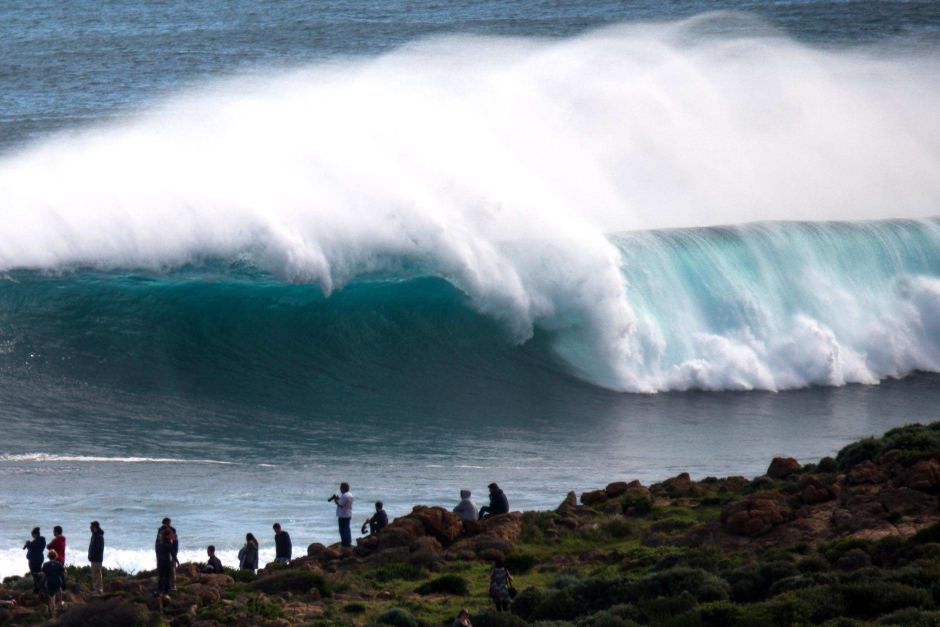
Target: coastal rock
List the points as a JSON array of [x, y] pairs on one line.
[[570, 503], [813, 491], [593, 497], [484, 546], [615, 489], [755, 515], [322, 553], [866, 472], [783, 467], [680, 485], [445, 526], [906, 502], [425, 551], [923, 475], [505, 526]]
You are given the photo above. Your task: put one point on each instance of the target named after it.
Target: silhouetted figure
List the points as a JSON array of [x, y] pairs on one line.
[[34, 548], [500, 586], [377, 522], [213, 564], [282, 545], [344, 505], [466, 508], [53, 572], [166, 558], [96, 557], [248, 555], [499, 504]]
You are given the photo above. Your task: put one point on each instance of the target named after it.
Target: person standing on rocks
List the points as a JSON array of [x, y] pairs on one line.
[[169, 531], [282, 545], [58, 544], [166, 558], [377, 522], [499, 504], [344, 505], [34, 548], [501, 586], [466, 508], [96, 557], [248, 554], [54, 574]]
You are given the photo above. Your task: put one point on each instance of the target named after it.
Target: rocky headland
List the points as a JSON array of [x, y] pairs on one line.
[[850, 540]]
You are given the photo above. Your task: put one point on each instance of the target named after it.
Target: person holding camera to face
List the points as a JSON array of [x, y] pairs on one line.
[[344, 504]]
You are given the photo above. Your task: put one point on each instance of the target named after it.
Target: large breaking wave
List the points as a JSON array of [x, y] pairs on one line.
[[494, 205]]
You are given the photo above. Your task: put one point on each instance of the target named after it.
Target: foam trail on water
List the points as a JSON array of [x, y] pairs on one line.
[[48, 457], [500, 165]]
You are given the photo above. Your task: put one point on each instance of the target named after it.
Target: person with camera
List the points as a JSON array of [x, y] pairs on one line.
[[377, 522], [344, 504], [34, 548]]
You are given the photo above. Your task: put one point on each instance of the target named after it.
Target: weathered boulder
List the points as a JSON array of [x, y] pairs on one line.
[[484, 546], [755, 515], [505, 526], [593, 497], [425, 551], [569, 504], [923, 475], [866, 472], [783, 467], [680, 485], [812, 491], [322, 553], [445, 526], [615, 489]]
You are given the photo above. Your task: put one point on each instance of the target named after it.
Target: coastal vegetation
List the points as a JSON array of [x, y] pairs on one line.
[[849, 540]]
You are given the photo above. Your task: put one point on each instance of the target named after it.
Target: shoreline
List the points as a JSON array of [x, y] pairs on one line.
[[731, 550]]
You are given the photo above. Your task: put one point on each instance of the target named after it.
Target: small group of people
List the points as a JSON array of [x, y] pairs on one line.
[[47, 562]]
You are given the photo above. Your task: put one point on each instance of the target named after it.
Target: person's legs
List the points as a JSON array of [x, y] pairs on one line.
[[172, 576], [345, 535], [484, 512], [97, 581]]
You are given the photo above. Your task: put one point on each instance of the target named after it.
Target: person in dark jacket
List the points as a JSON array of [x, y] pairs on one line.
[[96, 557], [248, 554], [174, 549], [34, 548], [166, 558], [378, 521], [53, 572], [282, 545], [214, 564], [499, 504]]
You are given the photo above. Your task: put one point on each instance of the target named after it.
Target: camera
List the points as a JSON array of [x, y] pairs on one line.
[[332, 499]]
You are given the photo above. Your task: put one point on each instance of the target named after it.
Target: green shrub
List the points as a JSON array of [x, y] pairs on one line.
[[263, 608], [700, 583], [557, 605], [715, 614], [799, 582], [490, 618], [113, 612], [355, 608], [445, 584], [827, 464], [293, 581], [915, 437], [526, 601], [239, 575], [618, 527], [927, 534], [911, 618], [520, 562], [396, 570], [813, 564], [858, 452], [662, 609], [605, 618], [837, 548], [752, 582], [870, 600], [399, 617], [637, 503]]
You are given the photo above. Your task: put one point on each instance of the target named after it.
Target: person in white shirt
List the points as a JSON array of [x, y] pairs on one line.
[[344, 504]]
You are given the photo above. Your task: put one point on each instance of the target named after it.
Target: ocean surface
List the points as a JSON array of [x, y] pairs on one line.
[[250, 250]]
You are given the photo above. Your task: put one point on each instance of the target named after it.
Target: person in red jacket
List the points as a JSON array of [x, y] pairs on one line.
[[57, 544]]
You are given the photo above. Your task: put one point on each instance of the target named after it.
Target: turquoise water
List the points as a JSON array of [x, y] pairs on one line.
[[249, 251]]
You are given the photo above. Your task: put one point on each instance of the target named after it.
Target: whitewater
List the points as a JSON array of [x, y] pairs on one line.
[[574, 188]]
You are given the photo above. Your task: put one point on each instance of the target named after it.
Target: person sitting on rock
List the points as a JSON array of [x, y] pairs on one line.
[[213, 564], [377, 522], [466, 508], [499, 504], [463, 619]]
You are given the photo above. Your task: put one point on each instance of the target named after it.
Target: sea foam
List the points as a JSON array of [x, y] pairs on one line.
[[504, 166]]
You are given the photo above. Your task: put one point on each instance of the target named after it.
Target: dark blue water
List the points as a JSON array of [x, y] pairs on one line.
[[214, 386]]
